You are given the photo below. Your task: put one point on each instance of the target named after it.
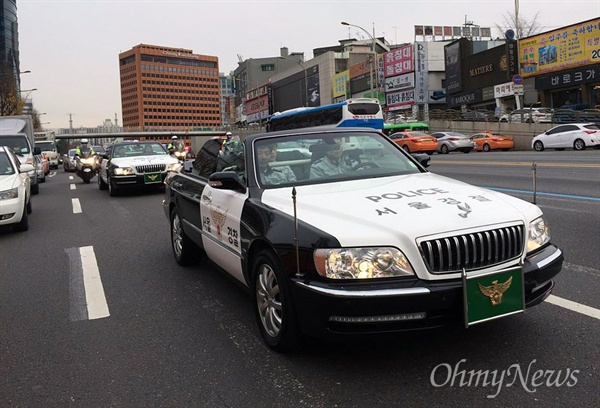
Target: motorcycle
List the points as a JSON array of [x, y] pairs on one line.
[[86, 168]]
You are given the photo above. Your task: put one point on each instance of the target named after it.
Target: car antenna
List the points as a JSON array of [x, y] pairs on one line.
[[298, 274]]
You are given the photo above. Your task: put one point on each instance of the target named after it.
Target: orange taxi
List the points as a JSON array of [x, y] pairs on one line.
[[415, 141], [486, 141]]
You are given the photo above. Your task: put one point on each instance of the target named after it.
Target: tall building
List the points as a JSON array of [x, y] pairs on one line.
[[9, 40], [164, 88]]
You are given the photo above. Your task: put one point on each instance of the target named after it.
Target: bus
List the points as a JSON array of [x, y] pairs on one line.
[[358, 112], [389, 128]]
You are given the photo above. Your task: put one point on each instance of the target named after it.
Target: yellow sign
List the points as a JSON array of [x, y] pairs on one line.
[[340, 82], [569, 47]]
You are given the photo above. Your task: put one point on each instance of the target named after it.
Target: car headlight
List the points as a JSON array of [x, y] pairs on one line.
[[123, 171], [362, 263], [539, 234], [174, 167], [9, 194]]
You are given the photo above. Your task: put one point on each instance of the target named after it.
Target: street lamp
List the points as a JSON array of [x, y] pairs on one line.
[[372, 50], [28, 91], [301, 63]]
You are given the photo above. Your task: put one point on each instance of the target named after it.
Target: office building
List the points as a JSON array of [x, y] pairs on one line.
[[165, 88]]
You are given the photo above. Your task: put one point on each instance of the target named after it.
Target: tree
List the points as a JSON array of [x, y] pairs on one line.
[[11, 102], [521, 25]]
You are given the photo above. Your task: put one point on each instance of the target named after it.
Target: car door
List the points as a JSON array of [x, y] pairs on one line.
[[555, 137]]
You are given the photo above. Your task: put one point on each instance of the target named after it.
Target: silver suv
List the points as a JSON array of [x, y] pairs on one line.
[[528, 115]]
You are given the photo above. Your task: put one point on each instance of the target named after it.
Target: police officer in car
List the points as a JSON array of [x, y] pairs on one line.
[[332, 163], [267, 153]]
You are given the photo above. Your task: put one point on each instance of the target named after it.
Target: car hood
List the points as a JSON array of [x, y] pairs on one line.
[[9, 181], [390, 210], [143, 160]]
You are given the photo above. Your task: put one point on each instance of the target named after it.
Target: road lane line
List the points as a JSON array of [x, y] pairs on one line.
[[86, 293], [70, 177], [94, 291], [574, 306], [76, 205], [73, 187]]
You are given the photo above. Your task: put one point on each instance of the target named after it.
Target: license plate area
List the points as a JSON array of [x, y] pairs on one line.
[[152, 178], [493, 295]]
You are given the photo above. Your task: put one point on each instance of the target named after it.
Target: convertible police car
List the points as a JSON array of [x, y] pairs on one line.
[[353, 240], [134, 164]]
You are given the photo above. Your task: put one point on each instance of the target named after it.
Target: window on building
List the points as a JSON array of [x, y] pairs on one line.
[[268, 67]]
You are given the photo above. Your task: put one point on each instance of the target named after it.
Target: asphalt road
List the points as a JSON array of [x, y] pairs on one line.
[[166, 336]]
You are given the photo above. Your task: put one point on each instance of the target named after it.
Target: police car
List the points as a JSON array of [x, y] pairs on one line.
[[379, 244], [134, 164]]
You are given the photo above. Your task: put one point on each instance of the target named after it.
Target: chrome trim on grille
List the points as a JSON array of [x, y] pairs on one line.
[[364, 293], [150, 168], [473, 250]]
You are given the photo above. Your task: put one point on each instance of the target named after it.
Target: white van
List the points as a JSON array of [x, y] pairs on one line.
[[14, 134]]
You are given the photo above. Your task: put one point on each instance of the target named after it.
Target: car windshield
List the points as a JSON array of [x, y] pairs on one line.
[[46, 146], [334, 157], [138, 149], [18, 144], [71, 152], [6, 166]]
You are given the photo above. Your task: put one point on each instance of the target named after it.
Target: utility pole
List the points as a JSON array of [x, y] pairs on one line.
[[70, 122]]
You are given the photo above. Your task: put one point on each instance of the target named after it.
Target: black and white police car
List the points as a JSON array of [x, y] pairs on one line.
[[134, 164], [375, 243]]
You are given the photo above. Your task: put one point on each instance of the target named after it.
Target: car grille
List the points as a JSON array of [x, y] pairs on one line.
[[150, 168], [473, 251]]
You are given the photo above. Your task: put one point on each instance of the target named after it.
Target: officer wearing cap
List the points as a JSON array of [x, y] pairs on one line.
[[266, 154], [83, 150], [331, 164]]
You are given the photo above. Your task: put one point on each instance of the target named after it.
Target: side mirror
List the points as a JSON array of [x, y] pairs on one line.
[[37, 150], [226, 180], [26, 168]]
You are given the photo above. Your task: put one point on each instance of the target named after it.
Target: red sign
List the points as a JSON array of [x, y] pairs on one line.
[[398, 61]]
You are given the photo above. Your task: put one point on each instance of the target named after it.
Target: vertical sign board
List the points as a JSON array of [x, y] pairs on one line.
[[421, 73]]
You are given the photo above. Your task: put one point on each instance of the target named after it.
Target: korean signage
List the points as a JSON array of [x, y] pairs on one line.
[[340, 82], [503, 90], [569, 47], [398, 61], [400, 98], [398, 82], [421, 73], [569, 78]]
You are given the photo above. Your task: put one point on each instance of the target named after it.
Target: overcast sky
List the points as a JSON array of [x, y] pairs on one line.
[[72, 47]]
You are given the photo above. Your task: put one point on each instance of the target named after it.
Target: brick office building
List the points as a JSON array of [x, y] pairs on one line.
[[165, 88]]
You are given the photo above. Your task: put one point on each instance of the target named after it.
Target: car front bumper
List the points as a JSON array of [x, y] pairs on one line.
[[11, 211], [410, 304], [138, 180]]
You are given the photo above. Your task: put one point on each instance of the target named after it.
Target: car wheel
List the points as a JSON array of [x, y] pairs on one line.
[[22, 225], [406, 148], [35, 188], [579, 144], [274, 309], [113, 190], [444, 149], [101, 184], [29, 206], [184, 249], [486, 147], [538, 146]]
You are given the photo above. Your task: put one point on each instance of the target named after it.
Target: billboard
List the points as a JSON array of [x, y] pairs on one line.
[[398, 61], [566, 48], [340, 84], [452, 56]]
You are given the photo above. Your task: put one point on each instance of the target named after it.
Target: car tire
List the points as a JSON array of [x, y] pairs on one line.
[[274, 307], [486, 147], [579, 145], [406, 148], [22, 225], [35, 188], [29, 206], [113, 190], [538, 146], [444, 149], [185, 251], [101, 184]]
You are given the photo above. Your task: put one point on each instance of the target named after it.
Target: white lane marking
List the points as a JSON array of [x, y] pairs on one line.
[[52, 174], [94, 291], [574, 306], [70, 177], [73, 186], [76, 205]]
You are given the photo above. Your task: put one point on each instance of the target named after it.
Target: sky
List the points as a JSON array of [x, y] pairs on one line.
[[71, 47]]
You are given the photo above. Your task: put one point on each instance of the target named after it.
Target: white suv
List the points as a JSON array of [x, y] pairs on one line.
[[529, 115]]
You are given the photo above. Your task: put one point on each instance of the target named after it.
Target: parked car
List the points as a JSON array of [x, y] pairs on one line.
[[40, 167], [135, 165], [453, 141], [341, 253], [528, 115], [415, 142], [576, 116], [15, 190], [577, 136], [477, 116], [487, 141], [69, 163]]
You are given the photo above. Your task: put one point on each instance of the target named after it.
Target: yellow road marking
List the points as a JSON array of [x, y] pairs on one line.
[[528, 164]]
